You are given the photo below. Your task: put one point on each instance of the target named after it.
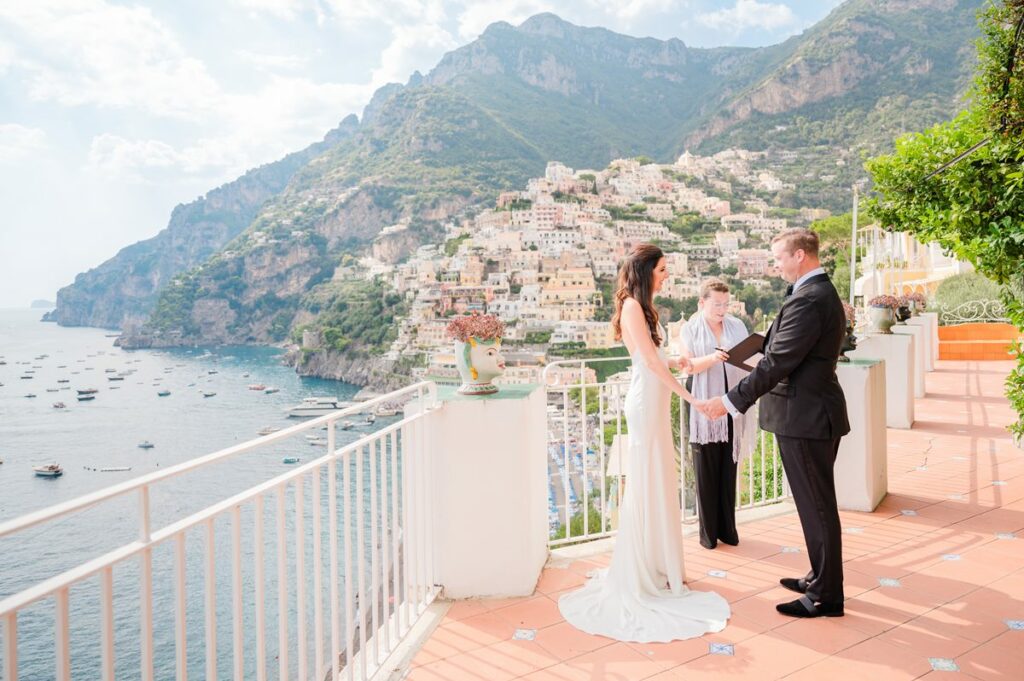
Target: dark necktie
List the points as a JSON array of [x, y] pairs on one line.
[[789, 290]]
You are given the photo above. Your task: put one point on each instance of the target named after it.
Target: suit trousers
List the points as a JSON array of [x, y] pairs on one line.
[[715, 472], [809, 469]]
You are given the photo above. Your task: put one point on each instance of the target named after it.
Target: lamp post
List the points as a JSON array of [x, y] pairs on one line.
[[853, 247]]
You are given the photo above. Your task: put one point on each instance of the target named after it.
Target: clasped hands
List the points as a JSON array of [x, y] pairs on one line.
[[713, 408]]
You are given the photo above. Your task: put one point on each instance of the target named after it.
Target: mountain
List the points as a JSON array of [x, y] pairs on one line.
[[124, 289], [488, 117]]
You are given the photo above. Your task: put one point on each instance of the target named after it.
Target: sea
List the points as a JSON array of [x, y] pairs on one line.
[[84, 437]]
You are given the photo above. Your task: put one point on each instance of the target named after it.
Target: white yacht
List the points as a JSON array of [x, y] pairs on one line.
[[316, 406]]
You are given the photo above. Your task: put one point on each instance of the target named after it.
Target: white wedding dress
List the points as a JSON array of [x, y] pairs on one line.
[[640, 596]]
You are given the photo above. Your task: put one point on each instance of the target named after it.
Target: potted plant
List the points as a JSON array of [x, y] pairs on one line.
[[881, 313], [849, 340], [918, 303], [902, 311], [477, 339]]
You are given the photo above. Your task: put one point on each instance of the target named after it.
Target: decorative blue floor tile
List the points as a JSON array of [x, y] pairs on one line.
[[525, 634], [1016, 625], [907, 511], [943, 664], [888, 581], [1005, 535], [721, 574], [951, 556], [721, 649]]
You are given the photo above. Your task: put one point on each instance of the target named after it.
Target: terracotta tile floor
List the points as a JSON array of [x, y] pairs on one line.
[[959, 562]]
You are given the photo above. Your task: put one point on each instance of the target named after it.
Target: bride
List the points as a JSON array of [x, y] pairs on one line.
[[641, 596]]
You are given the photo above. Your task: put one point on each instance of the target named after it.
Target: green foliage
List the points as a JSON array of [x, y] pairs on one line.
[[974, 208], [537, 337], [963, 288], [576, 523], [451, 247], [593, 400], [356, 315]]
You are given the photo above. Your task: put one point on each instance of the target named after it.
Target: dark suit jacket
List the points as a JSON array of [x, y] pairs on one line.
[[796, 378]]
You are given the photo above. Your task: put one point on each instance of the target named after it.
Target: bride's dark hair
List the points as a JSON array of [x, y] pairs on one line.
[[636, 279]]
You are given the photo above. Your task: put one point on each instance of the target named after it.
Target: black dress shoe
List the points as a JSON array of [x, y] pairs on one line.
[[797, 585], [708, 544], [804, 607], [731, 541]]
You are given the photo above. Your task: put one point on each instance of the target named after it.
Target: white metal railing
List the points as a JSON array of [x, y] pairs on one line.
[[588, 417], [375, 585], [973, 311]]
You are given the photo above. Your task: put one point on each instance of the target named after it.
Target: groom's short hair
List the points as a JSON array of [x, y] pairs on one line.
[[799, 238]]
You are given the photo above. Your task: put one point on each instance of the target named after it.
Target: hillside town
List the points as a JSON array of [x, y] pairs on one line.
[[544, 258]]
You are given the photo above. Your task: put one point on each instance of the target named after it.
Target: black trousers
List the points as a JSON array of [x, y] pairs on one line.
[[716, 491], [809, 469]]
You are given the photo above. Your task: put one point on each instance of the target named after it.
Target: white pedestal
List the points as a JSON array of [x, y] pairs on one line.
[[918, 333], [861, 470], [897, 352], [931, 343], [490, 532]]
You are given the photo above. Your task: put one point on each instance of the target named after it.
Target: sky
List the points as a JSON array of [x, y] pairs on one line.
[[112, 113]]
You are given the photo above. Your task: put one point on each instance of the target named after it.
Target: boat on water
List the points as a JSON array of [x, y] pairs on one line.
[[110, 371], [63, 380], [163, 393], [318, 442], [207, 394], [385, 410], [290, 459], [370, 419], [257, 386], [86, 398], [52, 390], [27, 377], [88, 391], [212, 371], [30, 395], [115, 378], [316, 406], [50, 470], [347, 425], [272, 390], [59, 405], [267, 430], [146, 444]]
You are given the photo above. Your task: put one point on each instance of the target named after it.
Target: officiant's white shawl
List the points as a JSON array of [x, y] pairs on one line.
[[698, 338]]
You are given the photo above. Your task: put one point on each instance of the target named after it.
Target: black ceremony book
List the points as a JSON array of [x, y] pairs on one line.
[[750, 348]]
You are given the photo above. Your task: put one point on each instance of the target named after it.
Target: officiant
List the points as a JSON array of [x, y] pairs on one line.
[[718, 446]]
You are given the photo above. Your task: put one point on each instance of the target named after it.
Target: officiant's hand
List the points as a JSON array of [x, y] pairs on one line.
[[714, 409], [718, 356]]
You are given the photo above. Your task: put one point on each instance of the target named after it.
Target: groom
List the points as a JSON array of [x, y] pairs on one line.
[[804, 406]]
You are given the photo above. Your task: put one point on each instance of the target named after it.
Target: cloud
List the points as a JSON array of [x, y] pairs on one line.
[[88, 52], [749, 14], [406, 13], [272, 62], [282, 9], [412, 48], [18, 142]]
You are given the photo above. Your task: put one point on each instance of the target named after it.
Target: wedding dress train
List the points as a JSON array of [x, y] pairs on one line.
[[640, 596]]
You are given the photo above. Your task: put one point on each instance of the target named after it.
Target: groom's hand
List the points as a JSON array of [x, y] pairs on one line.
[[714, 409]]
